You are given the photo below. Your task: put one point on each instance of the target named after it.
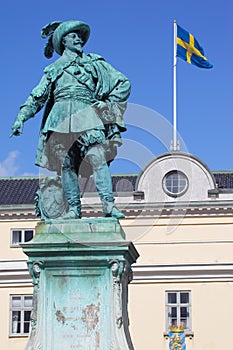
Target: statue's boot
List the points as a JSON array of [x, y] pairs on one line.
[[72, 214], [110, 210], [71, 190], [103, 182]]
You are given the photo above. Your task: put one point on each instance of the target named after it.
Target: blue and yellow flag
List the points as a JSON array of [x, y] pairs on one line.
[[190, 50]]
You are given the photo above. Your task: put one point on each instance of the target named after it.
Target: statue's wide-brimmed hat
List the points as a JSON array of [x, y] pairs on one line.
[[58, 30], [68, 27]]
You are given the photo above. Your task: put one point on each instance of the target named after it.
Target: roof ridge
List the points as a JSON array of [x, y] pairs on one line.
[[222, 171], [26, 177]]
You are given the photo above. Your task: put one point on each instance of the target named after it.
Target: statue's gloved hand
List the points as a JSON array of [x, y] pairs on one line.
[[104, 110], [17, 128], [100, 104]]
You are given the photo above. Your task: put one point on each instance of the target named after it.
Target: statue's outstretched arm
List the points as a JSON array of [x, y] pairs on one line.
[[32, 105]]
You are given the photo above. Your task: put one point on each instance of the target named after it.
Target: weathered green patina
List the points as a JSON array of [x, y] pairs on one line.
[[84, 99], [80, 272]]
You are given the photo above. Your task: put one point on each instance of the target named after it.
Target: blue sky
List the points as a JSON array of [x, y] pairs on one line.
[[136, 37]]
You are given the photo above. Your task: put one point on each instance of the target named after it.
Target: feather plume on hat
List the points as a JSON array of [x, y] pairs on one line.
[[46, 31], [57, 30]]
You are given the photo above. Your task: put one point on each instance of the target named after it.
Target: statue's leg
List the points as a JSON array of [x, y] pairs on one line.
[[103, 181], [71, 189]]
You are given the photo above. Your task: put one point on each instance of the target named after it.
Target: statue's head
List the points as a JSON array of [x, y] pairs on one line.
[[58, 30]]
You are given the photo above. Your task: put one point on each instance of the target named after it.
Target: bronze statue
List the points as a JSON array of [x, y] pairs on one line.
[[84, 99]]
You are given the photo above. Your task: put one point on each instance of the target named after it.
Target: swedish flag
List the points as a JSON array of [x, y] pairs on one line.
[[190, 50]]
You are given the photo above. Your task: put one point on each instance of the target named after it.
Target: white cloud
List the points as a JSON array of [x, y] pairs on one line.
[[9, 167]]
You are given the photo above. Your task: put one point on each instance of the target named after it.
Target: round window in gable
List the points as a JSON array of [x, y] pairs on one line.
[[175, 183]]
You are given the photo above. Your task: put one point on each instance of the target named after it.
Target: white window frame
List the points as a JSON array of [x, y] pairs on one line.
[[178, 305], [182, 183], [17, 327], [23, 233]]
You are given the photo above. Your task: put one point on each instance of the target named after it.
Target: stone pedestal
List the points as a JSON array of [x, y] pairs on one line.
[[80, 270]]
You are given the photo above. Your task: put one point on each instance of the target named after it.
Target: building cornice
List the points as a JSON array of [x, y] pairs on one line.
[[14, 273], [131, 210], [183, 273]]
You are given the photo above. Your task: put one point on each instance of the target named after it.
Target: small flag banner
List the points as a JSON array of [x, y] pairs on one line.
[[177, 341], [189, 49]]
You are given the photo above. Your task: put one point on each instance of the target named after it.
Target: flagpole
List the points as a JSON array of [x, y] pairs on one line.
[[174, 146]]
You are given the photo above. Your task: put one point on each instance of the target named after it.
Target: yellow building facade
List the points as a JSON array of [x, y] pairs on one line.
[[179, 216]]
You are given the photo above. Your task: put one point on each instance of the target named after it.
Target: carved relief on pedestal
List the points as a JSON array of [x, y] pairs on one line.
[[35, 270], [117, 268], [50, 202], [121, 276]]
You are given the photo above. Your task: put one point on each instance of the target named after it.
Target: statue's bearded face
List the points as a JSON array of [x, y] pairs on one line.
[[73, 42]]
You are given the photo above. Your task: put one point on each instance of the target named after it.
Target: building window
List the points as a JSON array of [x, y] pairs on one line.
[[175, 183], [21, 306], [178, 309], [21, 236]]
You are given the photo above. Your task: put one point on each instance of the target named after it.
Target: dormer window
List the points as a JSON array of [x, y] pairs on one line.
[[175, 183]]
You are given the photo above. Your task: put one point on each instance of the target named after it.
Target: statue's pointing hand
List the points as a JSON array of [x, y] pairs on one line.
[[17, 128]]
